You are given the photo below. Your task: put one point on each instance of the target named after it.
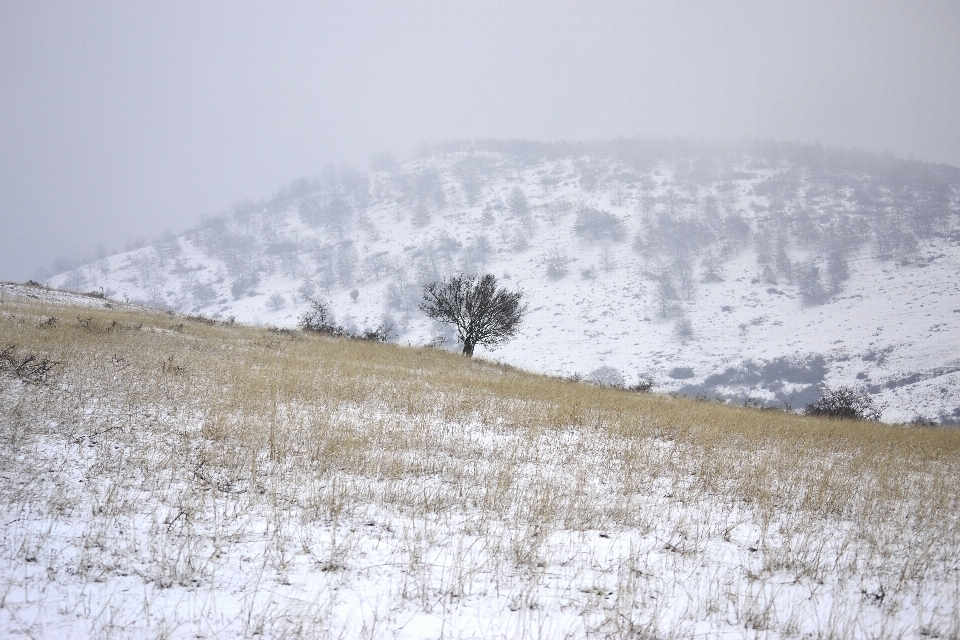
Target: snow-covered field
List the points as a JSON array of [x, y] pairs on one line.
[[721, 313], [174, 478]]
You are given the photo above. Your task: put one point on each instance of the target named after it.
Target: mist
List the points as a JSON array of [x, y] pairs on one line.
[[120, 121]]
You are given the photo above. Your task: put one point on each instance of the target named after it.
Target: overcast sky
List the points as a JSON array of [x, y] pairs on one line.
[[124, 119]]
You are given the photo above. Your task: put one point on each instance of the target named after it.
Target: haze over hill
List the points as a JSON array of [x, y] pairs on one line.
[[751, 272], [121, 120]]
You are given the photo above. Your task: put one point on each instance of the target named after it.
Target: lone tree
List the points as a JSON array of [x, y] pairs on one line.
[[482, 313]]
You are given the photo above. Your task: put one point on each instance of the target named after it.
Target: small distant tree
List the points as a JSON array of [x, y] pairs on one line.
[[713, 267], [607, 262], [619, 191], [838, 271], [517, 203], [556, 262], [480, 312], [809, 282], [347, 259], [336, 215], [421, 215], [487, 218], [376, 265], [684, 272], [276, 302], [665, 294], [595, 225]]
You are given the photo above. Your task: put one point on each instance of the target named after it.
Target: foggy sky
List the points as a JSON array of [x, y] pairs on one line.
[[120, 120]]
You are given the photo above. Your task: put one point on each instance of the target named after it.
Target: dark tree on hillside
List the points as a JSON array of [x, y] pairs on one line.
[[481, 312]]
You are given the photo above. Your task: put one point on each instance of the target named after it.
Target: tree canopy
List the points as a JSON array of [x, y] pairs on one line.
[[481, 312]]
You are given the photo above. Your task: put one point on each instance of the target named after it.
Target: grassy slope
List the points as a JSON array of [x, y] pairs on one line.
[[166, 452]]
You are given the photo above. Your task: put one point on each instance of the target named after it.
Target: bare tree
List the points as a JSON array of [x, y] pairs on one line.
[[619, 191], [421, 215], [810, 283], [480, 312], [837, 271], [684, 272], [665, 294], [607, 262], [517, 203], [376, 265], [712, 267], [556, 261], [347, 259]]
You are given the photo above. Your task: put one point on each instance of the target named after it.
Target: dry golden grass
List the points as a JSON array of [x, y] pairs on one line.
[[197, 434]]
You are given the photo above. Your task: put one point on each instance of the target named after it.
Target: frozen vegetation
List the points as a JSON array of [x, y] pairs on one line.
[[166, 476], [752, 272]]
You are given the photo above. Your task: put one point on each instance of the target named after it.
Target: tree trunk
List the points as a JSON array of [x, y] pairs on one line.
[[468, 348]]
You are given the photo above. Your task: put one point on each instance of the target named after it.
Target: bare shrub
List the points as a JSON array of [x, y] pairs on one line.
[[598, 226], [606, 376], [844, 403], [319, 319], [642, 385], [27, 366], [276, 302], [556, 262], [684, 327]]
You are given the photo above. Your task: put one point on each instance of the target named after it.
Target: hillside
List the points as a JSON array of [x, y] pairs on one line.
[[169, 476], [751, 272]]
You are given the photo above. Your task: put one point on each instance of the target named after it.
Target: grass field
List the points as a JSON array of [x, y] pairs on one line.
[[175, 478]]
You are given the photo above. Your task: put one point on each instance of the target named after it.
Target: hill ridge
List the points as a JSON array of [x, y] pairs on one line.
[[657, 259]]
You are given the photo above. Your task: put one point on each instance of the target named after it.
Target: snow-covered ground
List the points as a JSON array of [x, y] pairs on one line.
[[892, 329], [182, 479]]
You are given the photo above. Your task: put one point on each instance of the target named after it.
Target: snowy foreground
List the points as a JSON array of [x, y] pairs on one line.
[[177, 479]]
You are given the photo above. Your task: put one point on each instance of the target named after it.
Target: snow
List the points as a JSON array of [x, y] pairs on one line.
[[125, 520], [909, 313], [209, 562]]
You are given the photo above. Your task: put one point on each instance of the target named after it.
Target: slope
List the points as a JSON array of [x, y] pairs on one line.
[[750, 273], [178, 477]]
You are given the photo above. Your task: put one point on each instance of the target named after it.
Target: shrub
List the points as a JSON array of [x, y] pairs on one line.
[[556, 261], [606, 376], [517, 203], [276, 302], [643, 385], [844, 403], [380, 334], [243, 285], [26, 367], [319, 319], [595, 225]]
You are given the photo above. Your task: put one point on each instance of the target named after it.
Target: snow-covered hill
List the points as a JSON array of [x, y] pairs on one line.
[[753, 273]]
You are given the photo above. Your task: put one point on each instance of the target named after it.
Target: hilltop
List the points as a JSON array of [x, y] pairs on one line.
[[751, 272]]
